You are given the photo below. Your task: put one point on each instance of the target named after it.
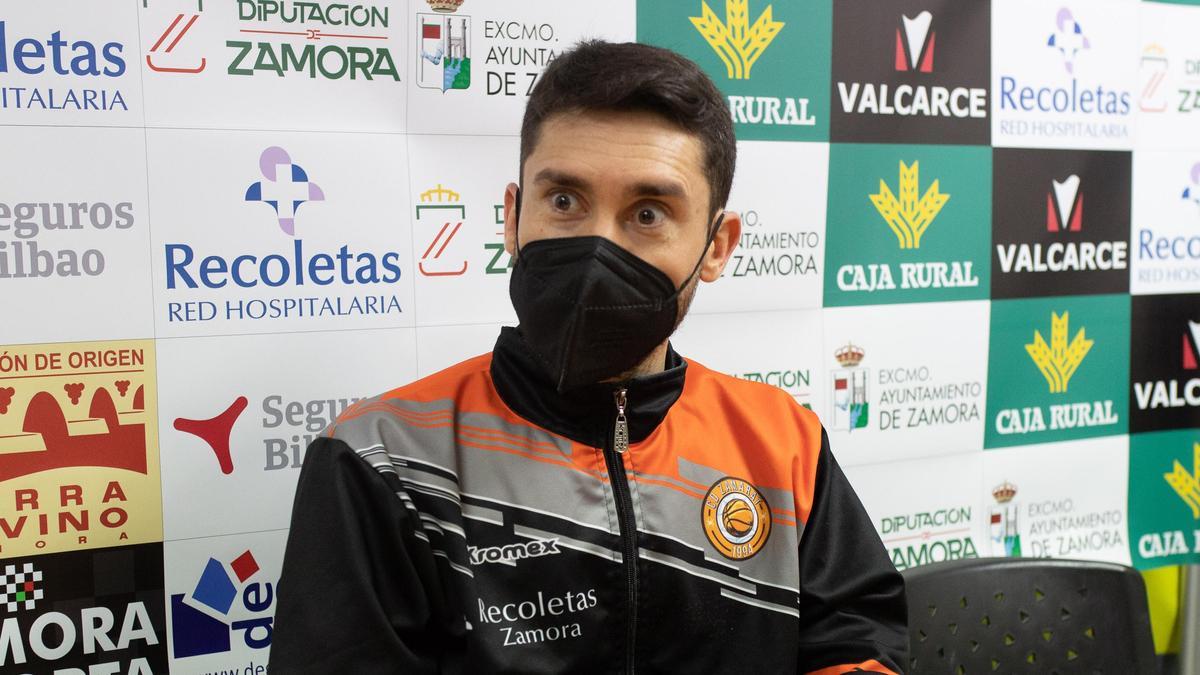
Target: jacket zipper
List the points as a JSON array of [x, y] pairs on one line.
[[614, 448]]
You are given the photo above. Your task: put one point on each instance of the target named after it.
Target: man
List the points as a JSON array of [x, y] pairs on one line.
[[583, 499]]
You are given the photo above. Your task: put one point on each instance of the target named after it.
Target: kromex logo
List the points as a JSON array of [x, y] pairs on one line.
[[511, 553]]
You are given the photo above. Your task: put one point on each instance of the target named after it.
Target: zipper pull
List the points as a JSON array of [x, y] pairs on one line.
[[621, 428]]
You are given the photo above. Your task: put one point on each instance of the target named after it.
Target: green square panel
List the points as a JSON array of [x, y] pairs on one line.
[[1058, 369], [907, 223], [771, 60]]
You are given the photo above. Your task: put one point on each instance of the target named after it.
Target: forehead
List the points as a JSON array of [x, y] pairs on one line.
[[619, 147]]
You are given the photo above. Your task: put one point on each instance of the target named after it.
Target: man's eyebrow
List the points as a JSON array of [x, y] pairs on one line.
[[556, 177], [663, 189], [666, 188]]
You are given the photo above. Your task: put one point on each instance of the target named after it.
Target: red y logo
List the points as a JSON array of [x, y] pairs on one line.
[[215, 431]]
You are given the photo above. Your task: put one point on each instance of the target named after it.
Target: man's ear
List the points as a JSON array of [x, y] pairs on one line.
[[724, 241], [512, 202]]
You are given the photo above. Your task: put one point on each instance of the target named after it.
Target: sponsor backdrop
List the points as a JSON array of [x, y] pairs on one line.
[[971, 245]]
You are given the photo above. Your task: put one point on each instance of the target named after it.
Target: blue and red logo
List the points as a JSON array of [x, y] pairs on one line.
[[226, 600]]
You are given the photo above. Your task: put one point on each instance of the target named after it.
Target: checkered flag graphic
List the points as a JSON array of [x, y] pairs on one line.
[[20, 590]]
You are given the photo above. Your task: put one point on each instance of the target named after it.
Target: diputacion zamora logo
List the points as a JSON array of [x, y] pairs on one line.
[[332, 41]]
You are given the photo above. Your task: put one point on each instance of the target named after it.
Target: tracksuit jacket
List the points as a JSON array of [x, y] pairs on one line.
[[477, 521]]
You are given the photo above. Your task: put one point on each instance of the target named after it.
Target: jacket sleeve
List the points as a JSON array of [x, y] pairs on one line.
[[355, 590], [853, 614]]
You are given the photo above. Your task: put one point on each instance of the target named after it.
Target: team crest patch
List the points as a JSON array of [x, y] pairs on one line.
[[736, 518]]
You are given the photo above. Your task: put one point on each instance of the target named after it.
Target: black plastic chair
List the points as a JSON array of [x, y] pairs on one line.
[[1023, 615]]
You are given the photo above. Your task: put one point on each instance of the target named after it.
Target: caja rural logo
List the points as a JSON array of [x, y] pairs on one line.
[[922, 66], [78, 447], [1164, 497], [1060, 222], [1185, 483], [1069, 383], [736, 518], [73, 72], [1076, 98], [229, 599], [1165, 363], [285, 187], [867, 265], [751, 49], [1057, 361], [282, 38]]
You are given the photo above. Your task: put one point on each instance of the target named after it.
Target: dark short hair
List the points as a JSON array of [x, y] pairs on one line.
[[604, 76]]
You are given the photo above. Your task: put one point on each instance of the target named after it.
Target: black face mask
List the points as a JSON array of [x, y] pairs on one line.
[[590, 310]]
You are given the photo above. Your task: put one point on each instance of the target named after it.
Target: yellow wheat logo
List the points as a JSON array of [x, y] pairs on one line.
[[1058, 361], [907, 216], [737, 42], [1187, 485]]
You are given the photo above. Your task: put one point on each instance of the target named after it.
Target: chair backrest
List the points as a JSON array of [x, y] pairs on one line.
[[1023, 615]]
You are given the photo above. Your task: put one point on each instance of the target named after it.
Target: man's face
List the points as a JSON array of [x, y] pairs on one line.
[[632, 178]]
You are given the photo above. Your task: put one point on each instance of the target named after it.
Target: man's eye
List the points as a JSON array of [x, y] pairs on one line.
[[649, 216], [562, 201]]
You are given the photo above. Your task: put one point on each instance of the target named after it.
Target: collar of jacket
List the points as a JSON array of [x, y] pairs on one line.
[[584, 415]]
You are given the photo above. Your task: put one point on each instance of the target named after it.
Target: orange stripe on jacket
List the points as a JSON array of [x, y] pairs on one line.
[[871, 666], [781, 440]]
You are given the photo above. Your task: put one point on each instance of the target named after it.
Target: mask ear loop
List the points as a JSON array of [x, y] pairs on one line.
[[517, 225], [712, 234]]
